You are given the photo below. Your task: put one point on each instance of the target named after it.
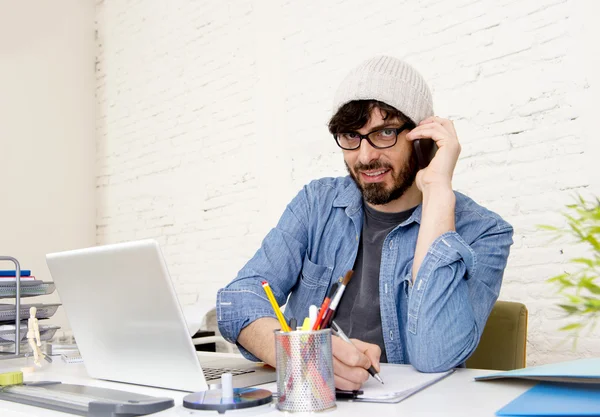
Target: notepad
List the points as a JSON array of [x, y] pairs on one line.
[[556, 399], [401, 381]]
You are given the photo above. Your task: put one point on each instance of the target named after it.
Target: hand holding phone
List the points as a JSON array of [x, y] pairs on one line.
[[427, 136], [424, 150]]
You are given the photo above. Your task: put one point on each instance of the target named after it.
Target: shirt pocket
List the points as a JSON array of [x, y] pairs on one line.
[[314, 276], [311, 288]]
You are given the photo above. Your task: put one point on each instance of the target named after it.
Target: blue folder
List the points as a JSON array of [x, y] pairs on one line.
[[556, 399], [581, 370], [13, 273]]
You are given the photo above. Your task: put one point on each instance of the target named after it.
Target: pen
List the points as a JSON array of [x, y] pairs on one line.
[[342, 394], [336, 300], [324, 307], [271, 297], [338, 331], [313, 312]]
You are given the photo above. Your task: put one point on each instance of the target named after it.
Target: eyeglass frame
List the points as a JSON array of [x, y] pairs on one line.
[[405, 126]]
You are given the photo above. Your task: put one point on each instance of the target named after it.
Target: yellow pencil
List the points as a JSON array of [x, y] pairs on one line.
[[271, 297]]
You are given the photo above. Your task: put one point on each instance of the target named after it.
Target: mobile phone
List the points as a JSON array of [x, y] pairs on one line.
[[424, 150]]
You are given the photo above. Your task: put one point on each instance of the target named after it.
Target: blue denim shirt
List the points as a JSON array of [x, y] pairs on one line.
[[434, 324]]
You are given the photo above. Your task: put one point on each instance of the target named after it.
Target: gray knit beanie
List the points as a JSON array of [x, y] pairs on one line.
[[391, 81]]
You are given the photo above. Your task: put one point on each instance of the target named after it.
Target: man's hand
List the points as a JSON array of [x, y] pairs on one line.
[[350, 362], [441, 168]]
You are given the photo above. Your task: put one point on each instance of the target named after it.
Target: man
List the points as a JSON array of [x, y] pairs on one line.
[[428, 261]]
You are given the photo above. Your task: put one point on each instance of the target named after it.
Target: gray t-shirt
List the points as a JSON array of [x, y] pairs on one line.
[[358, 313]]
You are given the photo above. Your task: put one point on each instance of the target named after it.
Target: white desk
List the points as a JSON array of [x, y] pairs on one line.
[[456, 395]]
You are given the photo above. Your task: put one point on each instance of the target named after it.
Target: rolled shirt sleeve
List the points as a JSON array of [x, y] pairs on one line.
[[452, 296], [232, 318]]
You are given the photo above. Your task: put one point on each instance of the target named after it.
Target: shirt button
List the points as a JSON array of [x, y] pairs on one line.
[[391, 335], [357, 238], [391, 244]]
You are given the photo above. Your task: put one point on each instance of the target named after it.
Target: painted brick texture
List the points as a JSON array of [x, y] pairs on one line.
[[212, 115]]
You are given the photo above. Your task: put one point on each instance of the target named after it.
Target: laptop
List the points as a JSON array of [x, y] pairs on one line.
[[128, 324]]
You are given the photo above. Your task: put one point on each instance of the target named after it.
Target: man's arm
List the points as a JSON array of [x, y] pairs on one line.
[[435, 182], [455, 283], [258, 338], [437, 218], [454, 293]]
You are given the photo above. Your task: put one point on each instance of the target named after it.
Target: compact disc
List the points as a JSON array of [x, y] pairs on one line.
[[213, 399]]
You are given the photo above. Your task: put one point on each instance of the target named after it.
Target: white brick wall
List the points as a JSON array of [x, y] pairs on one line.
[[212, 115]]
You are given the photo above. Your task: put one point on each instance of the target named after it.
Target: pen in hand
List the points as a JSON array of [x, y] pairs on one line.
[[338, 331]]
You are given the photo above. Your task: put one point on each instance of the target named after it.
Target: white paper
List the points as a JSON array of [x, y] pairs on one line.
[[400, 382]]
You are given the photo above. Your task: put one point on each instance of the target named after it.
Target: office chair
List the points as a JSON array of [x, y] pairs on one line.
[[504, 339], [210, 324]]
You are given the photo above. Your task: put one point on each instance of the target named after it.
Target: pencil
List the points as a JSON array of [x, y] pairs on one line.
[[271, 297]]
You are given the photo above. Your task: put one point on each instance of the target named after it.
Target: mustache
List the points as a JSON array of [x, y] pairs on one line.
[[371, 166]]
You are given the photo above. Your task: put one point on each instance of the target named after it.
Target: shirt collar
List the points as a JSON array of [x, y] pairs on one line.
[[415, 216], [351, 198]]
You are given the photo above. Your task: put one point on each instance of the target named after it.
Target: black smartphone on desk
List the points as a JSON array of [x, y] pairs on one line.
[[424, 150]]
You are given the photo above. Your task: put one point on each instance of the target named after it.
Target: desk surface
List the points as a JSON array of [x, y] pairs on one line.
[[456, 395]]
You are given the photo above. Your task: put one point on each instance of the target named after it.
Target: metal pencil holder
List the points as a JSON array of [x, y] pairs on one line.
[[304, 371]]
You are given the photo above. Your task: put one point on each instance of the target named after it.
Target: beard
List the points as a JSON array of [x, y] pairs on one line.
[[377, 193]]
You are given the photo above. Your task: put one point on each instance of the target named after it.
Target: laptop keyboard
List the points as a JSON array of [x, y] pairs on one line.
[[215, 373]]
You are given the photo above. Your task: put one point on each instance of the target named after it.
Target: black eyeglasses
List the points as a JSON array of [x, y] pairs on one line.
[[379, 139]]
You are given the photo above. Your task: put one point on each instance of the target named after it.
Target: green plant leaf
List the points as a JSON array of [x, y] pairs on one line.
[[593, 242], [548, 227], [569, 309], [589, 285], [571, 326], [579, 290], [584, 261], [575, 299], [563, 279], [592, 303]]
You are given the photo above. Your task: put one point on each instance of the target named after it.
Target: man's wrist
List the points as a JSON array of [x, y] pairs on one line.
[[439, 203], [438, 189]]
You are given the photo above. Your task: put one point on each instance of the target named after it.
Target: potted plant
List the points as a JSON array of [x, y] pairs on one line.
[[579, 290]]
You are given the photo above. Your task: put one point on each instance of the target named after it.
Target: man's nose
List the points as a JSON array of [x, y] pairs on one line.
[[367, 153]]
